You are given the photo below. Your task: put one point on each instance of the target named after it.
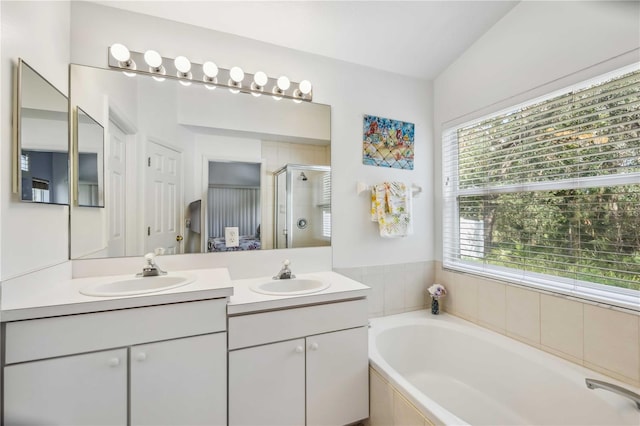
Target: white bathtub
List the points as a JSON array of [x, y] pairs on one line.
[[455, 372]]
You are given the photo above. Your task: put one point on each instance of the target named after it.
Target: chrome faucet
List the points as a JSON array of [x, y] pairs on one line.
[[285, 272], [151, 269], [597, 384]]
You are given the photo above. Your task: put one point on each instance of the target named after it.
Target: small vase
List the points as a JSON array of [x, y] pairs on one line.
[[435, 306]]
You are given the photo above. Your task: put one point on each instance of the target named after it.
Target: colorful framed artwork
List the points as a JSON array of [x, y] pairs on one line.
[[387, 143]]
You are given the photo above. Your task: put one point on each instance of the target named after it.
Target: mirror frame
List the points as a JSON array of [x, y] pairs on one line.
[[17, 133], [76, 159]]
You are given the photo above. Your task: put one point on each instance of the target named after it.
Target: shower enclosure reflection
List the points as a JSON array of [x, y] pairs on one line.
[[302, 206]]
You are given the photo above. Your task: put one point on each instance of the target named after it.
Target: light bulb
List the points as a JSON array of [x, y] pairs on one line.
[[305, 87], [120, 52], [210, 69], [185, 83], [182, 64], [236, 74], [283, 83], [260, 79], [153, 59], [210, 86]]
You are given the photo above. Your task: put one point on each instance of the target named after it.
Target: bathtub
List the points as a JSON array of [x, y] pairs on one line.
[[455, 372]]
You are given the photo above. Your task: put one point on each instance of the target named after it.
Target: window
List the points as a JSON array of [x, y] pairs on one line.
[[325, 204], [548, 193], [24, 162]]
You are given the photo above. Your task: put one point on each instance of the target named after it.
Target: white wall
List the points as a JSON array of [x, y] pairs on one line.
[[33, 236], [351, 91], [538, 47]]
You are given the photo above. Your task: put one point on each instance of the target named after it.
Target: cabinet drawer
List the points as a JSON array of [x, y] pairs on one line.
[[266, 327], [51, 337]]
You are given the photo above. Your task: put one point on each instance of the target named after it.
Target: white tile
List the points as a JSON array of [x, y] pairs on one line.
[[374, 270], [376, 297], [523, 314], [611, 341], [562, 325], [353, 273], [466, 303], [429, 269], [380, 401], [448, 302], [405, 414], [415, 286], [492, 304], [393, 296]]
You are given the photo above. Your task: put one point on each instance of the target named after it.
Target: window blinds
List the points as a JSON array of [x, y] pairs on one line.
[[548, 193]]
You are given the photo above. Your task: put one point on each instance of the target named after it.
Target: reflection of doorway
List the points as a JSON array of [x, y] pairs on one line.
[[116, 192], [163, 198]]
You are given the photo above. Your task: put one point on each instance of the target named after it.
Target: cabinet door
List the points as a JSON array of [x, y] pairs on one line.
[[266, 385], [89, 389], [180, 382], [337, 377]]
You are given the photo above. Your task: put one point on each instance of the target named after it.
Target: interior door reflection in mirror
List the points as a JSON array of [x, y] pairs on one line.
[[90, 160], [163, 141], [43, 139]]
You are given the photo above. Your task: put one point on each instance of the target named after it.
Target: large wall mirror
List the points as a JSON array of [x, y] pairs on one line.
[[188, 169], [42, 139]]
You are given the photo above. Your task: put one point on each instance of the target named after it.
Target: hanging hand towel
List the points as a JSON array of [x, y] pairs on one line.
[[391, 206]]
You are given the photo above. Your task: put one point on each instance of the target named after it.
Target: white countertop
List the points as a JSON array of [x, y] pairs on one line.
[[49, 296], [62, 297], [245, 300]]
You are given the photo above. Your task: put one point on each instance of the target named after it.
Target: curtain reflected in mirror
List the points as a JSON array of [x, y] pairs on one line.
[[42, 140], [90, 160]]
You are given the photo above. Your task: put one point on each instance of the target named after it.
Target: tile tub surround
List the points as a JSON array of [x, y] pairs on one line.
[[590, 334], [388, 407], [395, 288]]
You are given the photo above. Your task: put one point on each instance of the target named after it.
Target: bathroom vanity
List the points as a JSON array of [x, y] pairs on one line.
[[302, 359], [158, 358], [185, 354]]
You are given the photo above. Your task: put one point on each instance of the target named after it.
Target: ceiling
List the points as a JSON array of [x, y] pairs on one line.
[[414, 38]]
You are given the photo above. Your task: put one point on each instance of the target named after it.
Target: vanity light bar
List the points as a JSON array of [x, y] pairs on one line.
[[183, 70]]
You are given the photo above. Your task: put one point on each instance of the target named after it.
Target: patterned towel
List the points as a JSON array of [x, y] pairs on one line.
[[391, 208]]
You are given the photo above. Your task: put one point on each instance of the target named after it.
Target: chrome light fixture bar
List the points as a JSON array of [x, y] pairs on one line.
[[209, 74]]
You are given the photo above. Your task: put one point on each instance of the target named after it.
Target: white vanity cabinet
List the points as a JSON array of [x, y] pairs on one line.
[[163, 364], [314, 372], [79, 389]]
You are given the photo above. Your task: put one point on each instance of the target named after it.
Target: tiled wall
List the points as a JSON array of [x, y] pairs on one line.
[[388, 407], [594, 335], [394, 288]]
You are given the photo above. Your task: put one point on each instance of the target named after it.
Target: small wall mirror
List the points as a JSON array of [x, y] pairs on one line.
[[41, 142], [89, 160]]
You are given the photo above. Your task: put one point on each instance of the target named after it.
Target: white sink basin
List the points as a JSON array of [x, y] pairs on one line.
[[137, 285], [290, 287]]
